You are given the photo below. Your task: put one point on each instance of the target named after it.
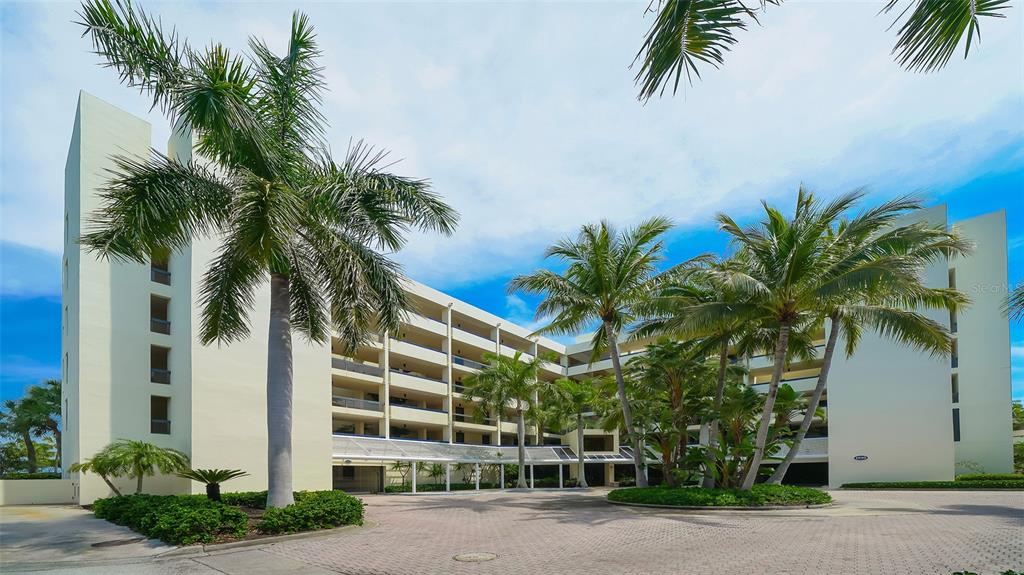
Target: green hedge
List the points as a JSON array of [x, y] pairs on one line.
[[41, 475], [994, 484], [313, 510], [425, 487], [991, 477], [758, 496], [254, 499], [174, 519]]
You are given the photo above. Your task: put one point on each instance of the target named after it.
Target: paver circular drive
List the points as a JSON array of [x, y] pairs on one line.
[[864, 533]]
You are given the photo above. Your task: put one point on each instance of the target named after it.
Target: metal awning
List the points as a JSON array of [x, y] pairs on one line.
[[364, 448]]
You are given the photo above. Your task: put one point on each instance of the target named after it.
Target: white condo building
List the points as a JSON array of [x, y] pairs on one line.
[[133, 368]]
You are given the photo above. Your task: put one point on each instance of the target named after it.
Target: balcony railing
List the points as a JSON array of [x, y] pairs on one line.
[[469, 418], [467, 332], [159, 375], [162, 426], [437, 321], [396, 404], [424, 346], [349, 365], [160, 326], [458, 388], [353, 403], [417, 376], [160, 276], [467, 362]]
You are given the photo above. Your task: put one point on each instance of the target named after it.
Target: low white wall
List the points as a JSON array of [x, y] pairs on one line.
[[36, 491]]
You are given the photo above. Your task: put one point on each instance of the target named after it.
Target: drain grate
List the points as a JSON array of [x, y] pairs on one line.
[[475, 557], [116, 542]]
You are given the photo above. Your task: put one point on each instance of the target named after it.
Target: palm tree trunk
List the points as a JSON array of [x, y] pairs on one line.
[[627, 412], [138, 483], [582, 481], [709, 477], [812, 405], [521, 480], [769, 405], [110, 485], [60, 456], [30, 451], [279, 395]]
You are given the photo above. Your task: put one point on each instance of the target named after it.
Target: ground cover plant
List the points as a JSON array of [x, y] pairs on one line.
[[990, 484], [191, 519], [758, 496]]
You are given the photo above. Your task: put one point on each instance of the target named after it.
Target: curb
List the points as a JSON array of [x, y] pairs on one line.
[[724, 508], [214, 547]]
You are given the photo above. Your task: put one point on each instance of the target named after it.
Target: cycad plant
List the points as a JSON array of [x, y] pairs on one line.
[[507, 382], [212, 478], [609, 276], [285, 213], [689, 34]]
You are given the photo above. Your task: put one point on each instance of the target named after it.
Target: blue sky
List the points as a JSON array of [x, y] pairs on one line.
[[524, 117]]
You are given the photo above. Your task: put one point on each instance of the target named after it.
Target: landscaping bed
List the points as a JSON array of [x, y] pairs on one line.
[[757, 496], [192, 519], [936, 485]]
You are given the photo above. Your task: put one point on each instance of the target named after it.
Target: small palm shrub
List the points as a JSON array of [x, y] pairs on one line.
[[212, 478], [174, 519], [313, 510]]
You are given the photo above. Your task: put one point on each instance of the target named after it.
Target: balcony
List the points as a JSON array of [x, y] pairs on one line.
[[427, 324], [353, 366], [470, 418], [161, 426], [810, 448], [422, 415], [418, 351], [160, 376], [467, 362], [479, 342], [414, 382], [160, 276], [353, 403], [160, 326], [799, 384]]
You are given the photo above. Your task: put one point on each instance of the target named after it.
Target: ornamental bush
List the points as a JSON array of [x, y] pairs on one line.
[[254, 499], [995, 484], [757, 496], [991, 477], [174, 519], [38, 475], [313, 510]]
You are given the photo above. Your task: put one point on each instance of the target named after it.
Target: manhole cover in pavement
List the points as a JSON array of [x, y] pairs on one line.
[[475, 557], [116, 542]]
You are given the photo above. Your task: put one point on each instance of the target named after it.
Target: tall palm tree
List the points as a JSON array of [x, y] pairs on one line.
[[569, 401], [609, 278], [503, 382], [794, 268], [25, 418], [47, 398], [286, 213], [882, 303], [687, 34]]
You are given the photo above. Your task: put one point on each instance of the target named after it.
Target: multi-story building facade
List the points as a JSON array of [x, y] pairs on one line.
[[133, 367]]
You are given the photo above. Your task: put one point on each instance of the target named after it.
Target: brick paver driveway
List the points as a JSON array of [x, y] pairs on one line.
[[570, 532], [870, 533]]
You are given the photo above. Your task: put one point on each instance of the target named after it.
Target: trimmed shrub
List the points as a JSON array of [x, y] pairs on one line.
[[174, 519], [991, 477], [425, 487], [40, 475], [995, 484], [313, 510], [254, 499], [758, 496]]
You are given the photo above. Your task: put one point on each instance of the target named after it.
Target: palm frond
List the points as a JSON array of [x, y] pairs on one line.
[[929, 35]]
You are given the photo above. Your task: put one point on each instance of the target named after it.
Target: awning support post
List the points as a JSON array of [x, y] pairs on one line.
[[447, 476], [412, 465], [560, 476], [531, 476], [477, 477], [502, 486]]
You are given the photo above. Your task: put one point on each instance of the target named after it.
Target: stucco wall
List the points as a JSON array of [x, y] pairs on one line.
[[36, 491]]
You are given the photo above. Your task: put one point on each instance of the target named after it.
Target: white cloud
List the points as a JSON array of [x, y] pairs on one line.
[[1017, 351], [524, 115]]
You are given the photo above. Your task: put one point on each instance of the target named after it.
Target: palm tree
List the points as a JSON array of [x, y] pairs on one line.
[[139, 459], [1015, 303], [506, 381], [286, 213], [48, 399], [101, 465], [212, 478], [792, 269], [882, 302], [687, 34], [568, 401], [25, 418], [610, 277]]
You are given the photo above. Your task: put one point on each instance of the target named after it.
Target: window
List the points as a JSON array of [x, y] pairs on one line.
[[460, 437], [159, 314], [956, 424], [485, 439], [956, 388], [159, 415], [160, 268], [159, 364]]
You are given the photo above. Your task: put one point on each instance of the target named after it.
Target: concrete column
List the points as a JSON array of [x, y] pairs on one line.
[[477, 477], [413, 463], [385, 365], [502, 479], [560, 485], [531, 476], [447, 476]]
